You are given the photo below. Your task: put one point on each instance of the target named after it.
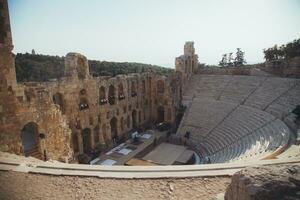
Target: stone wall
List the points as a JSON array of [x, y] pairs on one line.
[[77, 113], [108, 108]]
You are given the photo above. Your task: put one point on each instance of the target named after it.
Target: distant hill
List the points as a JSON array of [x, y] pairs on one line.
[[30, 67]]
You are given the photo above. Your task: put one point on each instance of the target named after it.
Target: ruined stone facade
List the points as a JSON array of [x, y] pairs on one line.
[[69, 116]]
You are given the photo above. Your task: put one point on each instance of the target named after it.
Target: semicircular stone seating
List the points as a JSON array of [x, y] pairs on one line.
[[240, 118]]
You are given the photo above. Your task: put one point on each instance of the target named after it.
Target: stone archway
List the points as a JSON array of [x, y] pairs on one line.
[[114, 128], [83, 104], [102, 96], [29, 137], [59, 100], [86, 140], [111, 95], [160, 114], [121, 95]]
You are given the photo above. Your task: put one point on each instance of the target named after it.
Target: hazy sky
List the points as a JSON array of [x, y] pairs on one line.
[[153, 31]]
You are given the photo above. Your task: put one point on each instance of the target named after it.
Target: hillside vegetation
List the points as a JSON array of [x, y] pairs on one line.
[[33, 67]]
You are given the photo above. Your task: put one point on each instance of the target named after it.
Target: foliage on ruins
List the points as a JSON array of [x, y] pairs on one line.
[[285, 51], [33, 67]]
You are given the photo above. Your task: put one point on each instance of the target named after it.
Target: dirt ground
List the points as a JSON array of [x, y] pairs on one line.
[[16, 185]]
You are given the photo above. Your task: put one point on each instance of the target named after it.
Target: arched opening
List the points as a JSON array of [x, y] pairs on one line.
[[134, 119], [102, 96], [29, 137], [111, 95], [160, 86], [86, 140], [58, 100], [133, 89], [83, 104], [121, 95], [114, 129], [160, 114]]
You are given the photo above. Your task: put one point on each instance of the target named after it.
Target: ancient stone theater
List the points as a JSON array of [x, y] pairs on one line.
[[146, 135]]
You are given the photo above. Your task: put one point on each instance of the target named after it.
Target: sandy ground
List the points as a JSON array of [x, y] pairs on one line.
[[16, 185]]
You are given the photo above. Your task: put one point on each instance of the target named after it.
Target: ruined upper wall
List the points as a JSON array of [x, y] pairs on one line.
[[5, 32], [8, 83], [189, 49], [76, 66]]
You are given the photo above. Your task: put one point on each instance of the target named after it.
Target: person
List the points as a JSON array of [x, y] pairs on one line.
[[208, 160], [186, 136]]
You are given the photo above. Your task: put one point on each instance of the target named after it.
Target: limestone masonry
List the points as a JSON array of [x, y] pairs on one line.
[[59, 119]]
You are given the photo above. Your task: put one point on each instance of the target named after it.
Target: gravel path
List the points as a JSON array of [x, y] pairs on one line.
[[16, 185]]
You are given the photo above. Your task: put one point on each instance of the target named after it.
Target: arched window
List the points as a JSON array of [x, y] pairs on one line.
[[121, 95], [160, 86], [111, 95], [102, 96], [58, 100], [83, 104]]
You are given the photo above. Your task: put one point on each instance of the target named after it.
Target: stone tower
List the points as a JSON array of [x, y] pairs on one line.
[[76, 66], [8, 82], [187, 62]]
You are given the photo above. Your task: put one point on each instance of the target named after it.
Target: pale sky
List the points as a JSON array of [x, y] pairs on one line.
[[153, 31]]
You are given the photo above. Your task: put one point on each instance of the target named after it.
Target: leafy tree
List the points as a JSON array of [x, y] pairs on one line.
[[239, 59], [30, 67], [288, 51], [230, 59], [223, 62]]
